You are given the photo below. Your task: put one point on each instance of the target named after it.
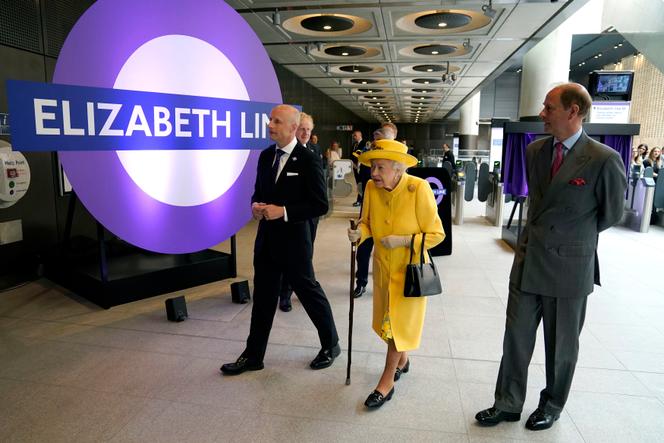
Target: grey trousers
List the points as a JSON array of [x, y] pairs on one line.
[[563, 320]]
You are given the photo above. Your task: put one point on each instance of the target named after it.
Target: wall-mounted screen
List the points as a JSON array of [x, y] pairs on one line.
[[611, 85]]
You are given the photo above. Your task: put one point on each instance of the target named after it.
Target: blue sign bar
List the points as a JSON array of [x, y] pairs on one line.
[[77, 118]]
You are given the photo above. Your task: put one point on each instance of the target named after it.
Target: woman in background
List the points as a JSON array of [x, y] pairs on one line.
[[654, 161]]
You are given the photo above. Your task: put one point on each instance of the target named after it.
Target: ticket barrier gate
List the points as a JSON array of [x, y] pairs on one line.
[[495, 202], [458, 192], [642, 192], [490, 190]]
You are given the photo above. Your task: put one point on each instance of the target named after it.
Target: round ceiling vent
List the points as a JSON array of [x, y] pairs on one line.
[[363, 81], [355, 68], [428, 68], [345, 51], [426, 81], [443, 20], [435, 49], [327, 23]]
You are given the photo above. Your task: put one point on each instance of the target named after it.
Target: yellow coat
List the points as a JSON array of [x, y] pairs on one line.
[[410, 208]]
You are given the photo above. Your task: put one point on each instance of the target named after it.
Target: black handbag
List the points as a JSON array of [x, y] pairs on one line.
[[422, 278]]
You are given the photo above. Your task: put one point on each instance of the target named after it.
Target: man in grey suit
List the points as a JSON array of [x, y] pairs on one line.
[[576, 190]]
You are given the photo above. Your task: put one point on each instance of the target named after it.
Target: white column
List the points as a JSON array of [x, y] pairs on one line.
[[469, 126], [547, 63], [469, 119]]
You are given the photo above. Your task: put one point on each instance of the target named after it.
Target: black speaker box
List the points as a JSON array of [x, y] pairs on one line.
[[240, 292], [176, 308]]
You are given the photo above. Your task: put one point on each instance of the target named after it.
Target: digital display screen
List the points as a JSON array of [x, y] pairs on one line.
[[613, 83]]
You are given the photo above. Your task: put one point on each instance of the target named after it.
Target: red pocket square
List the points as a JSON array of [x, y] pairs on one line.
[[579, 181]]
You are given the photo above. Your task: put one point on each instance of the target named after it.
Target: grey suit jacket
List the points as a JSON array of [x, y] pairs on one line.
[[557, 252]]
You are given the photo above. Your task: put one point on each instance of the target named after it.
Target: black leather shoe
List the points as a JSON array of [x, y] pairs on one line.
[[493, 416], [359, 290], [376, 399], [285, 304], [242, 364], [540, 420], [356, 204], [406, 368], [325, 357]]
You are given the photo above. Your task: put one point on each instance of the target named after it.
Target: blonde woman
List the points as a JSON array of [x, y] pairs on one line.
[[654, 160]]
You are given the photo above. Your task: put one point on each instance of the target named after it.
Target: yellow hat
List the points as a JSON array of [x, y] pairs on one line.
[[389, 150]]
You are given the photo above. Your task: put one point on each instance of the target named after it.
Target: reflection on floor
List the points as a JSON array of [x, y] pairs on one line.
[[73, 372]]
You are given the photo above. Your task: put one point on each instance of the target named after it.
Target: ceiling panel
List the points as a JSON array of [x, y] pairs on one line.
[[337, 46]]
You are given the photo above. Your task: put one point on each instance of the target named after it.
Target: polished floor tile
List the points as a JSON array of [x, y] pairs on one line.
[[74, 372]]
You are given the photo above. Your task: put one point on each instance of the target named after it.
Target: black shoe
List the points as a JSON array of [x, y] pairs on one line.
[[359, 290], [406, 368], [285, 303], [242, 364], [376, 399], [325, 357], [540, 420], [493, 416], [356, 204]]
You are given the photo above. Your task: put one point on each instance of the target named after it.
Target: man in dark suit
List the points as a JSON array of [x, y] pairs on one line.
[[289, 191], [358, 147], [387, 131], [576, 189], [303, 135], [448, 155]]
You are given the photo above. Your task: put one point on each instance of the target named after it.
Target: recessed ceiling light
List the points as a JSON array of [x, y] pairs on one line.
[[429, 70], [344, 53], [327, 27], [426, 82], [434, 52], [442, 24], [364, 82]]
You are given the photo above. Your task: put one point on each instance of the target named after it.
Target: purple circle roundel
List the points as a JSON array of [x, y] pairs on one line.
[[172, 201]]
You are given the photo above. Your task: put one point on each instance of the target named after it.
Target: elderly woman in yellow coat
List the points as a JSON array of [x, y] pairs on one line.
[[396, 206]]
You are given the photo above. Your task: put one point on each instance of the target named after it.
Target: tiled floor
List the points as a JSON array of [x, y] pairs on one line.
[[73, 372]]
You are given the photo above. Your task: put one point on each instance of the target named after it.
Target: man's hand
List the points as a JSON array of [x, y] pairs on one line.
[[395, 241], [257, 210], [273, 212], [354, 235]]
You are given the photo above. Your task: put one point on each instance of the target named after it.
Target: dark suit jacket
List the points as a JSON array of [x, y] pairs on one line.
[[557, 253], [448, 157], [301, 190], [319, 153]]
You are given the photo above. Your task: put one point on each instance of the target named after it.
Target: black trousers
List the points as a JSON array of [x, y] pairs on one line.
[[363, 256], [563, 320], [268, 271], [286, 291]]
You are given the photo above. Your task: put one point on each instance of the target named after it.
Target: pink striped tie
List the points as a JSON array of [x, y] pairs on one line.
[[557, 160]]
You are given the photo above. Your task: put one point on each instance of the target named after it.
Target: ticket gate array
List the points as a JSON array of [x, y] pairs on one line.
[[645, 201], [465, 177]]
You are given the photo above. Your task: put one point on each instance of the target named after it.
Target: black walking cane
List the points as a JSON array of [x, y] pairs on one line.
[[353, 250]]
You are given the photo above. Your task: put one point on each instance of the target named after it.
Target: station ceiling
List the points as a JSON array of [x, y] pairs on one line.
[[387, 60]]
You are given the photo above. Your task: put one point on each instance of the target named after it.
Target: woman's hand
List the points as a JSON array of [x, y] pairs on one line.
[[395, 241], [354, 235]]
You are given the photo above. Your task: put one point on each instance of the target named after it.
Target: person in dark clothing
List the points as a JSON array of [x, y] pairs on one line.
[[387, 131], [448, 155], [303, 136], [358, 147]]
